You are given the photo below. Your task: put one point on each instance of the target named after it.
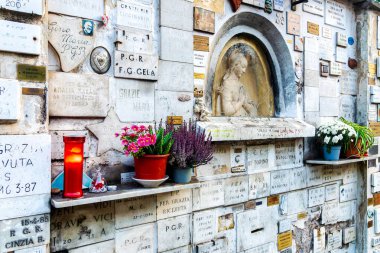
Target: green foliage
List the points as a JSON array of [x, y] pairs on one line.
[[163, 144], [364, 136]]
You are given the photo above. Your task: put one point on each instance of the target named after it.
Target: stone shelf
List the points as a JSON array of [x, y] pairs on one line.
[[245, 129], [123, 192], [341, 161]]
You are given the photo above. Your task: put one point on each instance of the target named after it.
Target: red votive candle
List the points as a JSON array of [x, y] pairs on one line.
[[73, 166]]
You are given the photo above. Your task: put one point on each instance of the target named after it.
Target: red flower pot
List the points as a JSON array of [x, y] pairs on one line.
[[151, 167]]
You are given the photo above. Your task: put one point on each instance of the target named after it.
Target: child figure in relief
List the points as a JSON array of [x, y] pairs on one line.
[[234, 99]]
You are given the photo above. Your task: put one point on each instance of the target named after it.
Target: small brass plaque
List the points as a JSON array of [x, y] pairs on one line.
[[31, 73], [33, 91], [273, 200], [301, 216], [372, 69], [313, 28], [199, 76], [284, 240], [175, 120], [370, 223], [376, 199], [371, 81], [250, 205], [370, 202], [201, 43], [375, 127]]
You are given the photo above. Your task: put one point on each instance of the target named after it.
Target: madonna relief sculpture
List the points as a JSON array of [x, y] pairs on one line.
[[234, 99], [242, 84]]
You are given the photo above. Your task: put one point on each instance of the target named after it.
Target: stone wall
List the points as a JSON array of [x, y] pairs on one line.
[[254, 196]]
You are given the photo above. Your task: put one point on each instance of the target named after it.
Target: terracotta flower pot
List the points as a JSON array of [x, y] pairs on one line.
[[152, 167], [352, 150]]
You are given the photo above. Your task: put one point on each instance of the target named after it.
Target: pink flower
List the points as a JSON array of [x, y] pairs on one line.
[[124, 142], [153, 139], [117, 134], [142, 128], [134, 128], [126, 152], [133, 148], [141, 141], [125, 128]]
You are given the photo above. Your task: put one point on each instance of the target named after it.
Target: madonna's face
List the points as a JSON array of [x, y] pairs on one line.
[[241, 67]]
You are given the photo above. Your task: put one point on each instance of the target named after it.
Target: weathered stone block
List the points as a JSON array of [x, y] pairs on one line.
[[209, 194], [348, 192], [82, 225], [135, 15], [311, 99], [141, 238], [135, 211], [176, 45], [204, 226], [280, 181], [134, 100], [75, 95], [78, 8], [177, 14], [102, 247], [174, 204], [256, 227], [10, 100], [170, 103], [24, 206], [316, 196], [20, 37], [25, 163], [175, 76], [236, 190], [260, 158], [21, 233], [220, 164], [136, 65], [329, 107], [259, 185], [173, 232]]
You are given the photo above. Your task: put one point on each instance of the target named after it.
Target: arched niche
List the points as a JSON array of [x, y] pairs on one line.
[[262, 32]]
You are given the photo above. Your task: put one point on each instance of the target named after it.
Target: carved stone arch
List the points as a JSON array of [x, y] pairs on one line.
[[264, 32]]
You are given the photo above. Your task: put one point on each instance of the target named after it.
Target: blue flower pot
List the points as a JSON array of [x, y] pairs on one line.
[[334, 153], [181, 175]]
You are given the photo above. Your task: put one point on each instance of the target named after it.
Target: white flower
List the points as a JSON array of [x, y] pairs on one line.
[[340, 137], [335, 139], [327, 140]]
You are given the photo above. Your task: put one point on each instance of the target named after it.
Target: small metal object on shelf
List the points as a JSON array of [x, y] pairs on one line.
[[112, 188]]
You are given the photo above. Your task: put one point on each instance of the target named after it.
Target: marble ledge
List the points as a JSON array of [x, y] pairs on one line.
[[123, 192], [245, 129], [341, 161]]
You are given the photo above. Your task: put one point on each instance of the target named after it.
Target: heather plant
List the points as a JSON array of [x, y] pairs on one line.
[[191, 146], [141, 140]]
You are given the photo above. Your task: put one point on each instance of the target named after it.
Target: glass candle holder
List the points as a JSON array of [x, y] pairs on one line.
[[73, 166]]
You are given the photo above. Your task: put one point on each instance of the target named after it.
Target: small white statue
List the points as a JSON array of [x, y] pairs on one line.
[[200, 109]]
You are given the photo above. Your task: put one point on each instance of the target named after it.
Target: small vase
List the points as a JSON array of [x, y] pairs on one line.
[[151, 167], [334, 153], [182, 175]]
